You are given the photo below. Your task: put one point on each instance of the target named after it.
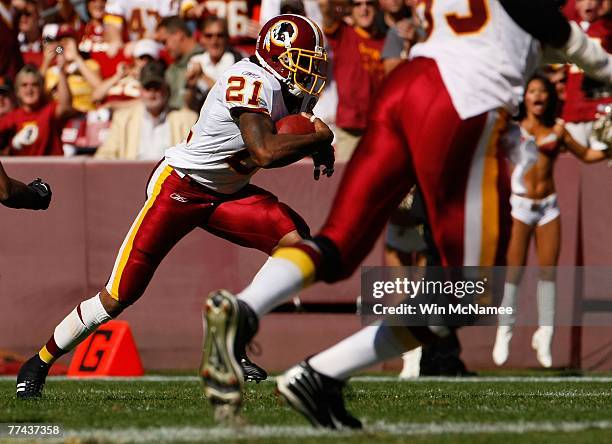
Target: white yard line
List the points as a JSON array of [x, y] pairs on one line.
[[163, 378], [213, 434]]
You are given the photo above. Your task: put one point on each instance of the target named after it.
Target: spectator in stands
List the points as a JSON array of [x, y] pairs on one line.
[[34, 127], [7, 104], [145, 130], [308, 8], [100, 40], [10, 56], [7, 96], [204, 69], [390, 14], [357, 68], [588, 10], [83, 74], [67, 12], [399, 41], [584, 95], [557, 75], [123, 88], [30, 32], [175, 35]]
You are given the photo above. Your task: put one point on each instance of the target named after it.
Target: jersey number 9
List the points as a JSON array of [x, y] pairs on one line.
[[471, 23]]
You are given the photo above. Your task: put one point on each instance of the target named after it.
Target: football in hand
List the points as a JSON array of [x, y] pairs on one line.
[[295, 124]]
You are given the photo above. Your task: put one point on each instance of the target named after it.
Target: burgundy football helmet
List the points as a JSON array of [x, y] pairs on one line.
[[291, 47]]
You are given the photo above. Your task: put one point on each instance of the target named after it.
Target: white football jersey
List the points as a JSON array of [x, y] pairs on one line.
[[214, 153], [484, 57], [142, 16]]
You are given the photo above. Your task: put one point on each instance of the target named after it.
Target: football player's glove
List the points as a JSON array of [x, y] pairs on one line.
[[35, 196], [43, 194], [324, 159]]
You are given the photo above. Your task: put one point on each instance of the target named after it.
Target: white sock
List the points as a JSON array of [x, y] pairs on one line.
[[369, 346], [74, 328], [547, 292], [273, 284], [509, 301], [412, 363]]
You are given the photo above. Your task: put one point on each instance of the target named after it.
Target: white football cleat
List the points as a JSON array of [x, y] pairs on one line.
[[501, 349], [541, 342], [412, 364]]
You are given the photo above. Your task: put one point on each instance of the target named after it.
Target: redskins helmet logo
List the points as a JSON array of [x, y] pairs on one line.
[[282, 34]]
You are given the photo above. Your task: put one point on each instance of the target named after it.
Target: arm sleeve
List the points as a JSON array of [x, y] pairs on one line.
[[333, 34], [110, 147], [246, 91], [7, 124], [540, 18], [393, 46]]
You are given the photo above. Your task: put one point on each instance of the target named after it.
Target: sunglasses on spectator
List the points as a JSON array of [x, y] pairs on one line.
[[366, 3], [210, 35], [153, 86], [26, 13]]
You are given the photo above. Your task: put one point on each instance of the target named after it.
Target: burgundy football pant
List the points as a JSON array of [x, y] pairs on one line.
[[252, 217], [415, 136]]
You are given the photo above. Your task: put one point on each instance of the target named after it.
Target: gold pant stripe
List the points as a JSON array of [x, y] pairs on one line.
[[490, 197], [125, 254]]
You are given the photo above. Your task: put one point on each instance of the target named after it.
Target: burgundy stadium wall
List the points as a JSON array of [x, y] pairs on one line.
[[49, 261]]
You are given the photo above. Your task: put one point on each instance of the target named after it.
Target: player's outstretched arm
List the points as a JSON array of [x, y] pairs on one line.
[[270, 150], [540, 18], [16, 194], [544, 21]]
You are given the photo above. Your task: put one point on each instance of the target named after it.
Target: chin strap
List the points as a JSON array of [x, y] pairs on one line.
[[308, 103], [294, 90]]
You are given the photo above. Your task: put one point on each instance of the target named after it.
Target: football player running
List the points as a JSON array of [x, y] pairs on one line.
[[204, 182], [438, 122], [15, 194]]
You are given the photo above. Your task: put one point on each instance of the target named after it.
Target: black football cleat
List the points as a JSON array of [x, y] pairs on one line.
[[252, 372], [31, 378], [230, 326], [316, 396]]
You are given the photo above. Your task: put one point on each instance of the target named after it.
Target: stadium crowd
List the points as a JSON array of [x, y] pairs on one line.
[[98, 48]]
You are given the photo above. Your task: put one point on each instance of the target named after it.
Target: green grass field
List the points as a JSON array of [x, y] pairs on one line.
[[171, 409]]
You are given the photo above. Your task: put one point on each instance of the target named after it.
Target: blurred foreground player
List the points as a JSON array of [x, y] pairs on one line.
[[204, 181], [15, 194], [437, 121]]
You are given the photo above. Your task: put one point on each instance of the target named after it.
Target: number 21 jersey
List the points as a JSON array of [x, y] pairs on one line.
[[214, 153]]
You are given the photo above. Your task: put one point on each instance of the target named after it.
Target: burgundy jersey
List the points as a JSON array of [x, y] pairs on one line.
[[358, 71], [93, 42], [35, 133]]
